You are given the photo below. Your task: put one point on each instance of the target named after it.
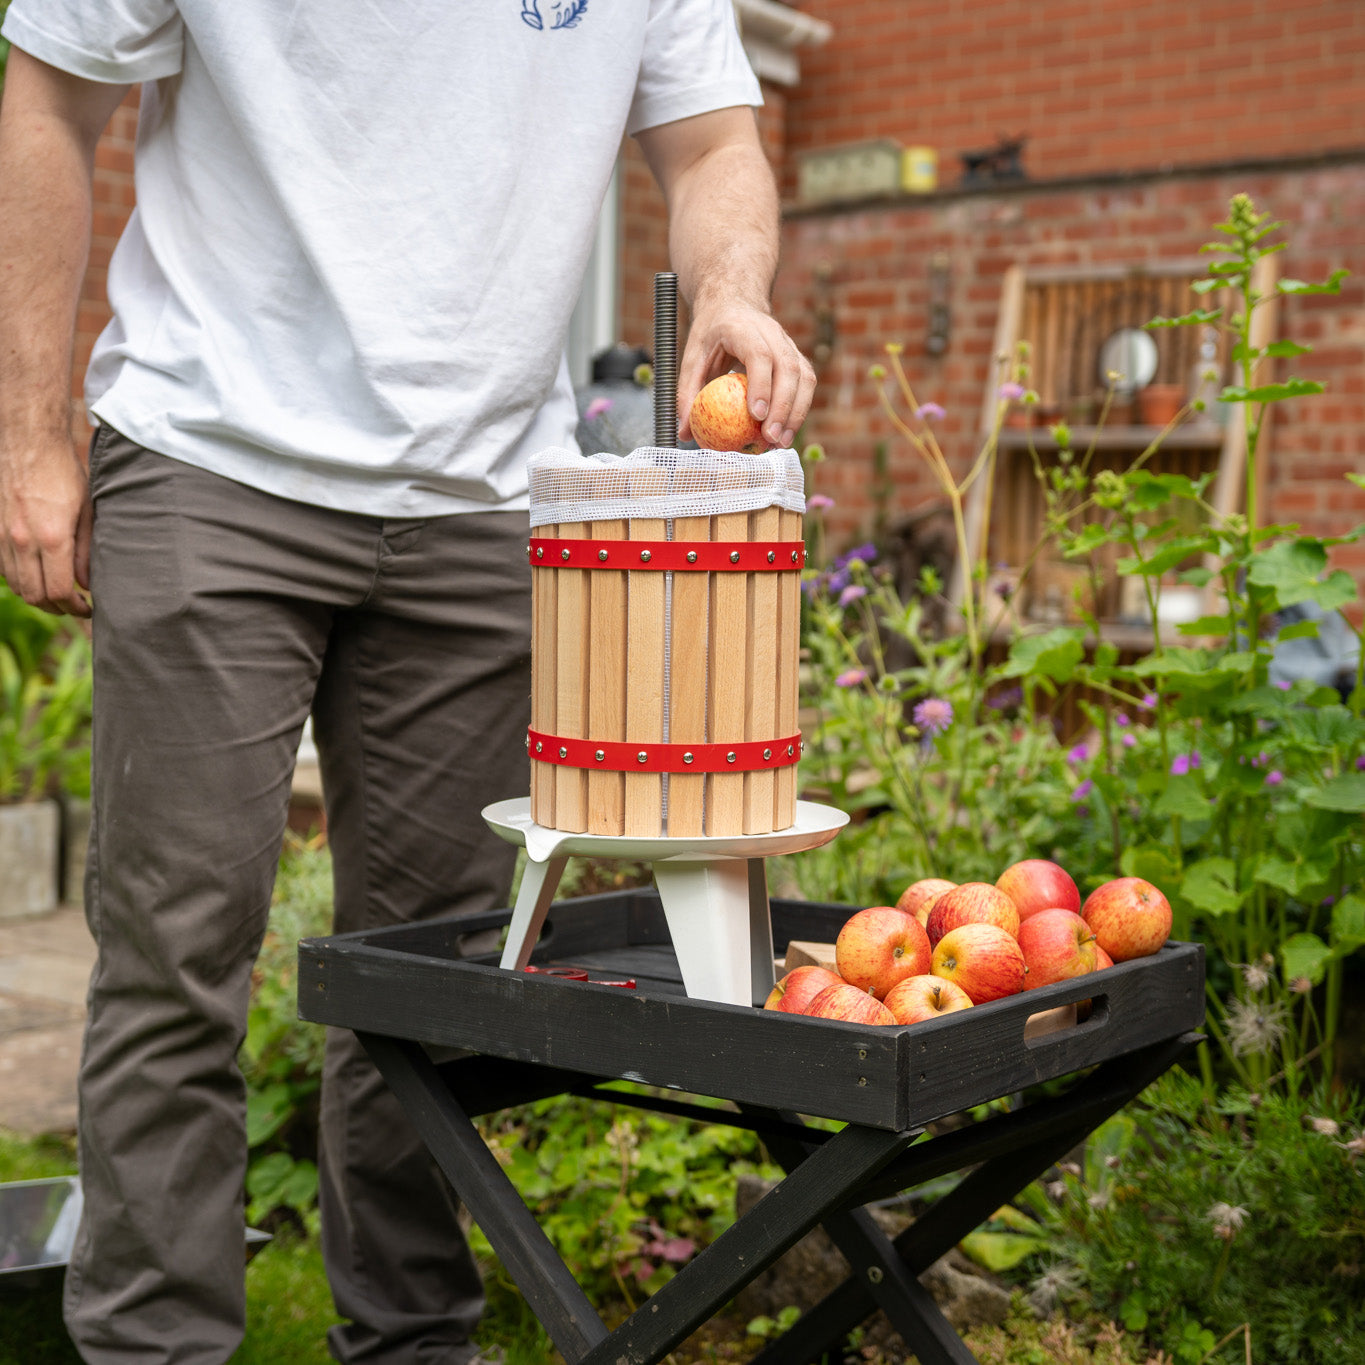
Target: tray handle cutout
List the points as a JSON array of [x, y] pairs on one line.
[[1066, 1021]]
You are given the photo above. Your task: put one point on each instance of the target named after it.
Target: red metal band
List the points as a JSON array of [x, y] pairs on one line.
[[612, 756], [677, 556]]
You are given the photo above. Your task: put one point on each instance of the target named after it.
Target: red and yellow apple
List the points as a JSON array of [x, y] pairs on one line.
[[1057, 945], [972, 903], [720, 417], [1037, 884], [879, 947], [983, 959], [918, 898], [1102, 959], [1130, 917], [925, 997], [849, 1003], [798, 988]]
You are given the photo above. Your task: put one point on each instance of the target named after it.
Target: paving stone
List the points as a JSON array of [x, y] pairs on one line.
[[38, 1080]]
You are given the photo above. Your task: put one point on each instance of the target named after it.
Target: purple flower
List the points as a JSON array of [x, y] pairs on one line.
[[1011, 391], [819, 502], [1121, 719], [1002, 701], [1260, 760], [839, 580], [1083, 790], [930, 412], [1079, 754], [867, 553], [933, 715], [851, 594], [1284, 684], [1360, 763], [1274, 777], [1149, 701], [851, 677], [1182, 763], [596, 408], [1128, 739]]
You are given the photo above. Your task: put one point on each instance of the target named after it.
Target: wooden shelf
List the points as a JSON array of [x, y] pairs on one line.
[[1188, 436]]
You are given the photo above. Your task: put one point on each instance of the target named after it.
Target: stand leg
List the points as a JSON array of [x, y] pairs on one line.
[[706, 904], [760, 931], [538, 884]]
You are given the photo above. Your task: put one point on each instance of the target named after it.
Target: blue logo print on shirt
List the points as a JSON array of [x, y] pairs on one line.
[[563, 13]]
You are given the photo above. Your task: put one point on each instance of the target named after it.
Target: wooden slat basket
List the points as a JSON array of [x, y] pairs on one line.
[[666, 606]]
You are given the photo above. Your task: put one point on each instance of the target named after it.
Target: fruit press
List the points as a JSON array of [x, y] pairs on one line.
[[458, 1036]]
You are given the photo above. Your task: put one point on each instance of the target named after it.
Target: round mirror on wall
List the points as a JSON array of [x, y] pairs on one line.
[[1131, 354]]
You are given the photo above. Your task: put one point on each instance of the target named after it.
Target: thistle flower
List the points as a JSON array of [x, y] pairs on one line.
[[1256, 976], [1327, 1127], [819, 502], [1083, 790], [1011, 392], [1274, 777], [1227, 1220], [930, 412], [1128, 739], [851, 594], [1121, 718], [1183, 763], [1253, 1027], [1079, 754], [1149, 701], [851, 677], [933, 715], [596, 408]]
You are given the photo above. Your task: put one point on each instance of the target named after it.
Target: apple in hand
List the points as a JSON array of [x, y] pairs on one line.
[[720, 417], [983, 959], [925, 997], [849, 1003], [798, 988], [879, 947], [918, 898], [1130, 917], [1057, 945], [1037, 884], [972, 903]]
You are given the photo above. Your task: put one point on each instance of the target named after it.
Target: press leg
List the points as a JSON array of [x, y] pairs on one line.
[[538, 885], [760, 931], [706, 905]]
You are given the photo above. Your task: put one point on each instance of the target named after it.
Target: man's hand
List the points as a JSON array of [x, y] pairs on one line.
[[45, 519], [723, 238], [49, 124]]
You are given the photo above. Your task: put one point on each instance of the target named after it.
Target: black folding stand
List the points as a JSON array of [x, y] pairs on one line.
[[410, 992]]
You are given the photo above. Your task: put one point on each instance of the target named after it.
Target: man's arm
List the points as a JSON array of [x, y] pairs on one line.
[[49, 125], [723, 224]]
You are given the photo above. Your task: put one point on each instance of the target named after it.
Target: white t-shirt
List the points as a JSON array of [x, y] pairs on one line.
[[361, 227]]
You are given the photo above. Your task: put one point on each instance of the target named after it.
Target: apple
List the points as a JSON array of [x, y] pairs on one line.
[[849, 1003], [983, 959], [1130, 917], [972, 903], [1102, 959], [880, 946], [918, 898], [1057, 945], [721, 419], [798, 988], [925, 997], [1037, 884]]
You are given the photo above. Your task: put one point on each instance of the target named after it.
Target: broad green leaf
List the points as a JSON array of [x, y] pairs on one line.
[[1300, 630], [1348, 925], [1153, 863], [1304, 955], [1184, 797], [1293, 568], [1205, 625], [1053, 654], [1148, 491], [1169, 556], [1271, 393], [1285, 350], [1332, 285], [1000, 1251], [1294, 877], [1209, 886], [267, 1111], [1345, 792], [1196, 578]]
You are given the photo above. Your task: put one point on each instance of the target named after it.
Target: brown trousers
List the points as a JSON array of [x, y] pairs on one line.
[[222, 616]]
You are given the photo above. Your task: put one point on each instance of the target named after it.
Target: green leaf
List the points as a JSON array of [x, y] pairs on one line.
[[1054, 655], [1000, 1251], [1209, 885], [1205, 625], [1169, 556], [1293, 568], [1192, 319], [1348, 925], [1153, 863], [1271, 393], [1285, 350], [1345, 792], [1357, 479], [1184, 797], [1332, 285], [267, 1110], [1295, 878], [1304, 955], [1300, 630]]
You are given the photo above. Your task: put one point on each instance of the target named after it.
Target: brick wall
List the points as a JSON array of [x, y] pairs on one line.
[[876, 263], [1095, 85]]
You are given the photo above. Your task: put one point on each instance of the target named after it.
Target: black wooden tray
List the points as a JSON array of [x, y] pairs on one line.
[[437, 984]]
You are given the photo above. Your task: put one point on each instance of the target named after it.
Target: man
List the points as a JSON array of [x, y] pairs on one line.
[[339, 310]]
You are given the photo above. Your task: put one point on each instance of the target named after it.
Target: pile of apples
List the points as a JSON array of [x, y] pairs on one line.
[[944, 947]]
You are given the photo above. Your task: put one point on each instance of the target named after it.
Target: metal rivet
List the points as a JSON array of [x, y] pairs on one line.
[[874, 1273], [687, 758], [691, 556], [730, 757], [642, 757], [645, 556], [602, 555], [563, 753], [789, 750], [734, 556], [540, 748], [563, 554], [862, 1080], [767, 754], [601, 755], [793, 556], [771, 556], [862, 1054], [803, 746], [540, 552]]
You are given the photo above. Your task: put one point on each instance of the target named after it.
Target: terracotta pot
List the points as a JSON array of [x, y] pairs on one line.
[[1159, 403]]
